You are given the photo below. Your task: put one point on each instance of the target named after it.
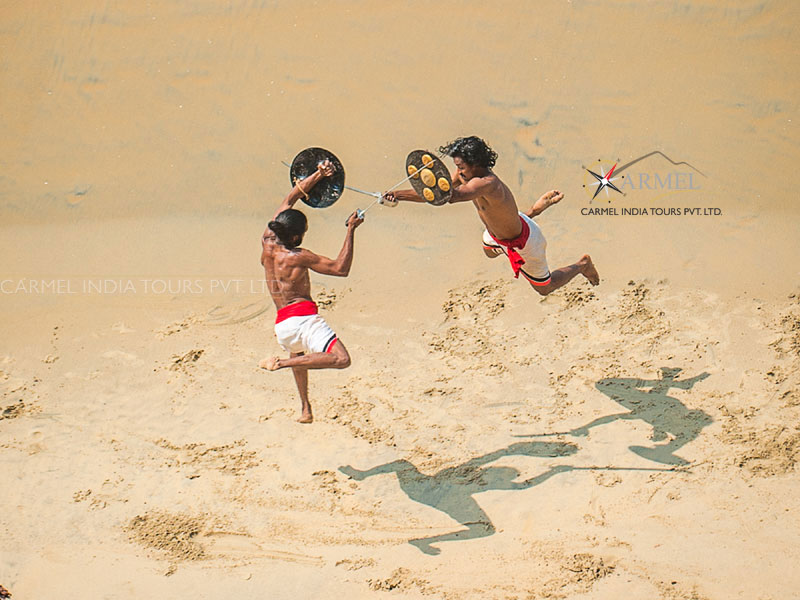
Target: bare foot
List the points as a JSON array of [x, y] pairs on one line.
[[545, 201], [589, 271], [549, 198], [306, 417], [270, 364]]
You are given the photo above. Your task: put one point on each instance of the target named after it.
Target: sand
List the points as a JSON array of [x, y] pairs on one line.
[[639, 439]]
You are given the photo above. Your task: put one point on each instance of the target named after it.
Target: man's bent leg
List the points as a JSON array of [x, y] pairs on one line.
[[337, 358], [564, 275]]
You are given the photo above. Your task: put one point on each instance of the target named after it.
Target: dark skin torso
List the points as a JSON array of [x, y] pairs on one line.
[[285, 271], [496, 206]]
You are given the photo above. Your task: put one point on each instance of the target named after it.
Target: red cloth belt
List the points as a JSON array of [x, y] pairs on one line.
[[511, 247], [296, 309]]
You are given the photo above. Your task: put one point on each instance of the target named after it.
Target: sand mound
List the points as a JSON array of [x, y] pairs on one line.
[[12, 411], [347, 409], [588, 568], [172, 535], [762, 450], [182, 362], [401, 580]]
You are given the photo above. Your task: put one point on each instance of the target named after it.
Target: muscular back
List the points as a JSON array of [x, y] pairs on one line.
[[286, 275]]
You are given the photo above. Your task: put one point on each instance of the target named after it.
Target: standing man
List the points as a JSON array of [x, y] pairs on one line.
[[508, 231], [300, 330]]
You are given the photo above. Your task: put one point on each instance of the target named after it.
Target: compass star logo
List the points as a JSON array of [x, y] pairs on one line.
[[604, 181]]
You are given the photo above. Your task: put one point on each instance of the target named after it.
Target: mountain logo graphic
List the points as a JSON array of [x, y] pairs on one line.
[[603, 181]]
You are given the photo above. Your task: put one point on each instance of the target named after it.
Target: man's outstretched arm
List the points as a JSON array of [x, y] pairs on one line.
[[340, 266], [303, 186], [462, 192], [395, 196]]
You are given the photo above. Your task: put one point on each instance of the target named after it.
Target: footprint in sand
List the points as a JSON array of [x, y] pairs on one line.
[[178, 326]]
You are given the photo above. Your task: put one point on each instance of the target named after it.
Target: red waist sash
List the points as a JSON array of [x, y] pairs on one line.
[[296, 309], [511, 247]]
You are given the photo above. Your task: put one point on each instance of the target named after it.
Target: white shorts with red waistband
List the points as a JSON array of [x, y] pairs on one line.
[[535, 269], [299, 328]]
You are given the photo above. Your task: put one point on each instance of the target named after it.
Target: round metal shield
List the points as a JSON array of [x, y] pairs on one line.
[[425, 159], [329, 189]]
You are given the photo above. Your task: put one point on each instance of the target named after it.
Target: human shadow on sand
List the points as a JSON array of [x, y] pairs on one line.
[[451, 489], [670, 419]]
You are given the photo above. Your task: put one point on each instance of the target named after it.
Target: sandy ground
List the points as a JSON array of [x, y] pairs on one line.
[[637, 440]]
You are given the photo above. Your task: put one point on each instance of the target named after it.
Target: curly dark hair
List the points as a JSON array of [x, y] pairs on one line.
[[472, 150]]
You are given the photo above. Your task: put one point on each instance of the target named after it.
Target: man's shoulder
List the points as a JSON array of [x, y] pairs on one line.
[[493, 186], [493, 177], [490, 180], [297, 256]]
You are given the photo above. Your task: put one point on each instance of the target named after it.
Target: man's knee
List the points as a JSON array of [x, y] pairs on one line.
[[542, 290], [341, 357]]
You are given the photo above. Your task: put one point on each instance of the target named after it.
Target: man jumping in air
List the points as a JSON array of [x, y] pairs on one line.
[[508, 231], [311, 343]]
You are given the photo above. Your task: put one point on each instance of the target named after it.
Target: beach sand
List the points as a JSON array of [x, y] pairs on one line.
[[639, 439]]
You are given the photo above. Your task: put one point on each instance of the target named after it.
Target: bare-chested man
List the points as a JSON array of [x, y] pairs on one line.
[[508, 231], [311, 343]]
